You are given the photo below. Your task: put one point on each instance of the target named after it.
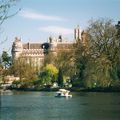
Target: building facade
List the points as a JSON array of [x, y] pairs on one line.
[[35, 52]]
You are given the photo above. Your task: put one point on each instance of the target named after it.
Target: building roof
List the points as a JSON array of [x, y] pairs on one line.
[[32, 46], [64, 45]]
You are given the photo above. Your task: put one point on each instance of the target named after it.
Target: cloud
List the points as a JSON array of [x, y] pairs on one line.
[[56, 30], [38, 16]]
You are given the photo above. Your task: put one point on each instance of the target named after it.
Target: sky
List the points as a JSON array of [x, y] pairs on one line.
[[39, 19]]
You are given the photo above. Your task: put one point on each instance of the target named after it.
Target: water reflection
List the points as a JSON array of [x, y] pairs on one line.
[[6, 92], [44, 106]]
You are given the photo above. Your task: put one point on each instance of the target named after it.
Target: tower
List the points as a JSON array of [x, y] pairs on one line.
[[16, 48], [77, 33]]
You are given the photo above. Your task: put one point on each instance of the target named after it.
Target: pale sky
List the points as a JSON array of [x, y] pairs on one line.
[[39, 19]]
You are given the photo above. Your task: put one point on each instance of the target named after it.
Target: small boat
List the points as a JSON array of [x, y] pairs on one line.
[[63, 93]]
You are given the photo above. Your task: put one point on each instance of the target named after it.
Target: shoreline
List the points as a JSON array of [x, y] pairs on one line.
[[71, 89]]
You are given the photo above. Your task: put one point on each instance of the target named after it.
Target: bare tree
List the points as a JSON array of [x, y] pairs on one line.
[[5, 7], [103, 67]]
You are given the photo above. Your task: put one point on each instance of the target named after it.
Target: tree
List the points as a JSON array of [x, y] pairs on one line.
[[49, 58], [1, 72], [118, 29], [81, 57], [60, 78], [97, 72], [102, 37], [6, 60], [5, 64], [5, 7], [49, 74], [25, 71], [6, 11], [64, 61], [104, 53]]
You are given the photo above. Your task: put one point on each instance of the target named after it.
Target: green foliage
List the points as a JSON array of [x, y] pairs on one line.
[[23, 70], [49, 74], [97, 72], [60, 78], [6, 60], [81, 57], [98, 63], [92, 65], [49, 58], [102, 70], [65, 61]]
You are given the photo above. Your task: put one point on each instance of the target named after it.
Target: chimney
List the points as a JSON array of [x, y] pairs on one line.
[[28, 45]]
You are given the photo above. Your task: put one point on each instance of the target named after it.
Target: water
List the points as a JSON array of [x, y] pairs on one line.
[[44, 106]]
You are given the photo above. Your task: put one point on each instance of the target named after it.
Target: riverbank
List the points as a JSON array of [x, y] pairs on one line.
[[95, 89], [72, 89]]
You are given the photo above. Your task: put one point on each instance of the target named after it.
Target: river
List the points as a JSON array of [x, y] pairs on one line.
[[44, 106]]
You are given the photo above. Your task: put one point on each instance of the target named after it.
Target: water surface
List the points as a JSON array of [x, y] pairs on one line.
[[44, 106]]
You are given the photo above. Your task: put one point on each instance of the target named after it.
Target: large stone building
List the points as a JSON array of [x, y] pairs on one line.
[[31, 52], [34, 52]]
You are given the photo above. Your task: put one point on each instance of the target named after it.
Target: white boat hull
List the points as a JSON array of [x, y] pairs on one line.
[[63, 93], [63, 96]]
